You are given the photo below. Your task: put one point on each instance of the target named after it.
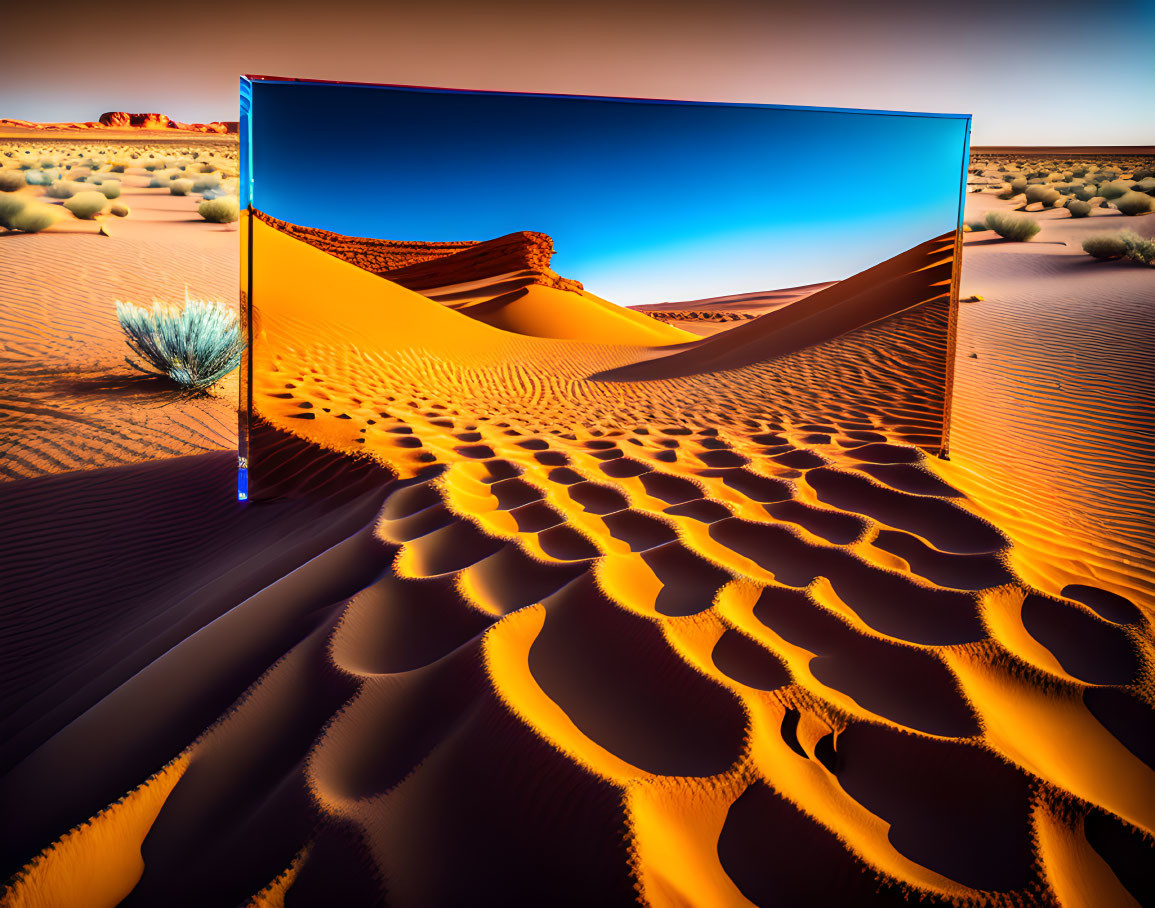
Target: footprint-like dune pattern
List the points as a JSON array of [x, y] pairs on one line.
[[708, 639]]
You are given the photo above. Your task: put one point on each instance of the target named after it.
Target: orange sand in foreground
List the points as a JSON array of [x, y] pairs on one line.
[[733, 597], [691, 623]]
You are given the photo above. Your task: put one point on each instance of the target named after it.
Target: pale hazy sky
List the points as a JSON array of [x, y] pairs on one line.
[[1060, 73]]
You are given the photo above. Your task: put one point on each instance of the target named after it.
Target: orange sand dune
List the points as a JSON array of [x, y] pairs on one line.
[[505, 282], [707, 317], [759, 301], [911, 279], [537, 637], [719, 313]]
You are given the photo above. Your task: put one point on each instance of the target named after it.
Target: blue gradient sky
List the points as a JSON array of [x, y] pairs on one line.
[[645, 202]]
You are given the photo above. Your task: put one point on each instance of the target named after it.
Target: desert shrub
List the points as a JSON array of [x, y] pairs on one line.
[[1079, 209], [1042, 193], [1139, 249], [196, 346], [1011, 226], [161, 179], [118, 166], [975, 226], [86, 205], [214, 193], [1146, 184], [1018, 184], [1124, 244], [1086, 193], [110, 188], [119, 209], [180, 187], [11, 180], [1135, 203], [202, 182], [1114, 188], [63, 189], [224, 210], [10, 206], [33, 217], [1105, 246]]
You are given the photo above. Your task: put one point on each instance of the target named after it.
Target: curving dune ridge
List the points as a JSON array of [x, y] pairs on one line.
[[571, 621]]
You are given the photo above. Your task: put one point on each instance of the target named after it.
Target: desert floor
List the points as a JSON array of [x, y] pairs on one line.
[[569, 621]]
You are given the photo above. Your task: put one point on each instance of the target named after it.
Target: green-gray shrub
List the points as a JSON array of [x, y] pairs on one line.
[[1079, 209], [196, 346], [110, 188], [10, 206], [180, 187], [1135, 203], [11, 180], [1105, 246], [1124, 244], [1139, 249], [63, 189], [86, 205], [1042, 193], [34, 216], [1115, 188], [203, 182], [1012, 226], [223, 210]]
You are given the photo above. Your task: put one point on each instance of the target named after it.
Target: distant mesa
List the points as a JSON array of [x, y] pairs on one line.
[[119, 119], [141, 120]]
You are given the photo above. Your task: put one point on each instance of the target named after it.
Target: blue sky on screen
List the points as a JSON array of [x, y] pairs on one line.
[[646, 202]]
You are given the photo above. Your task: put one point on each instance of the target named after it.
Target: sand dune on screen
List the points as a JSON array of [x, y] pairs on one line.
[[585, 617]]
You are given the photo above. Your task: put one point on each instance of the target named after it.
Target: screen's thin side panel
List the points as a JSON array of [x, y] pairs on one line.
[[245, 403], [956, 276]]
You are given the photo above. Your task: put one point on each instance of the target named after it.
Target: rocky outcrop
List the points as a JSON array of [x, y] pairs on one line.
[[120, 119], [524, 256]]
